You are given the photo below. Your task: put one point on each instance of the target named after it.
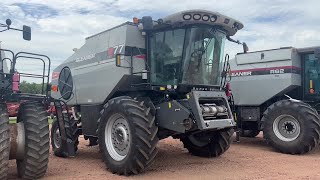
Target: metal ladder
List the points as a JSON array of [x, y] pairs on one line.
[[65, 128]]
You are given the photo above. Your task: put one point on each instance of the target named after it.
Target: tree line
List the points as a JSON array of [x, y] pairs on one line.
[[32, 88]]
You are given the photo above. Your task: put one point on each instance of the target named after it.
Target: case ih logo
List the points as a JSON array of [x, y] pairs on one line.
[[266, 71]]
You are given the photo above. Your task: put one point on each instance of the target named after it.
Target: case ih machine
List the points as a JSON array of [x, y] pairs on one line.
[[140, 82], [27, 141], [278, 92]]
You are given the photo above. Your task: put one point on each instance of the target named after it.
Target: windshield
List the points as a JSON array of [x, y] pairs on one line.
[[186, 56]]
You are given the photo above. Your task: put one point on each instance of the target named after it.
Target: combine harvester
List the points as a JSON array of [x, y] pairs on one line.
[[277, 91], [27, 141], [134, 84]]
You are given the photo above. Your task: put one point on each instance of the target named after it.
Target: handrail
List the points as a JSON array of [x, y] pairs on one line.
[[23, 55]]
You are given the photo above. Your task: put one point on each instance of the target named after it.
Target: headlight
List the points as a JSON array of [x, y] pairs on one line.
[[213, 18], [187, 16], [196, 16], [205, 17]]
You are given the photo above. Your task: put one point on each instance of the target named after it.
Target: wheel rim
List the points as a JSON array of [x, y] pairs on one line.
[[286, 127], [57, 138], [117, 137]]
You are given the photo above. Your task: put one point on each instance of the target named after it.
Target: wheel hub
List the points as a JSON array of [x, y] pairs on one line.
[[120, 137], [286, 128], [289, 127], [117, 137], [57, 138]]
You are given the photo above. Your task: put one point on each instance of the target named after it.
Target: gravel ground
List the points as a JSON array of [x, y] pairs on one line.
[[250, 159]]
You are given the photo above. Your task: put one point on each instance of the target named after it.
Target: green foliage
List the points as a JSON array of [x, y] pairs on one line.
[[33, 88]]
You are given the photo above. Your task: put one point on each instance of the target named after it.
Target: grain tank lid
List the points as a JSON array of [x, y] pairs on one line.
[[123, 24], [307, 49], [189, 17]]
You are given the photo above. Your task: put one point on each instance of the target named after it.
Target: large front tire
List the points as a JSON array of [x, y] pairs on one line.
[[4, 141], [127, 136], [292, 127], [208, 145], [71, 130], [36, 154]]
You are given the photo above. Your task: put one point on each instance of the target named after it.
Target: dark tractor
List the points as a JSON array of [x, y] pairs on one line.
[[27, 140]]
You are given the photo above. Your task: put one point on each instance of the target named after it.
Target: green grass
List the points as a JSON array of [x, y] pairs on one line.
[[13, 120]]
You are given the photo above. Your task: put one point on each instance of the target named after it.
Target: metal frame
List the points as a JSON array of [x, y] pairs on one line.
[[7, 94]]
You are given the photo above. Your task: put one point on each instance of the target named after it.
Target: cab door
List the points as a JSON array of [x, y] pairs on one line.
[[311, 76]]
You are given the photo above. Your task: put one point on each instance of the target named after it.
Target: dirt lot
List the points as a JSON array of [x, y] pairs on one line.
[[251, 159]]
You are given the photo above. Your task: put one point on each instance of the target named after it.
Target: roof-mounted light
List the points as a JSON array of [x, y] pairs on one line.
[[235, 26], [196, 16], [213, 18], [205, 18], [187, 16]]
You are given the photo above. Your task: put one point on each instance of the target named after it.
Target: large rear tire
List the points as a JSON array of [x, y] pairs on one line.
[[127, 136], [292, 127], [4, 141], [56, 136], [36, 154], [208, 145]]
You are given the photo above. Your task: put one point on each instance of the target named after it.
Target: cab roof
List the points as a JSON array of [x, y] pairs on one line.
[[196, 16]]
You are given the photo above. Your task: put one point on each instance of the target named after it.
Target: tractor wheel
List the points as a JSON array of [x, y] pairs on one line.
[[34, 118], [211, 144], [56, 137], [127, 136], [291, 127], [249, 133], [4, 141]]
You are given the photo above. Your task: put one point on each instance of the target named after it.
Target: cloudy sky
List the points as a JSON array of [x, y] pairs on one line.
[[58, 26]]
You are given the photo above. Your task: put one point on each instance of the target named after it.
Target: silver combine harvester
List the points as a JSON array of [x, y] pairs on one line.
[[146, 80], [277, 91]]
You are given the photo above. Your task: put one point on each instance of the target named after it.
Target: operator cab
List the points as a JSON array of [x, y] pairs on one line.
[[186, 49], [310, 58]]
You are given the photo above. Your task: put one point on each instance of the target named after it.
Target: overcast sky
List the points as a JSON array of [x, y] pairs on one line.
[[58, 26]]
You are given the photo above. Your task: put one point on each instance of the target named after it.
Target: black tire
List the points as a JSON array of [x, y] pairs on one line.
[[142, 137], [4, 141], [308, 124], [36, 156], [71, 132], [249, 133], [215, 143]]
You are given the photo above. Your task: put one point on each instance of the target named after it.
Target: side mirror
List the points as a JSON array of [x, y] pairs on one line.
[[118, 60], [8, 22], [245, 47], [26, 33], [147, 23], [317, 53]]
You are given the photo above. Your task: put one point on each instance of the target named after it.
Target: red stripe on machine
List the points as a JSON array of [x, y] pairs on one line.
[[142, 56], [266, 71]]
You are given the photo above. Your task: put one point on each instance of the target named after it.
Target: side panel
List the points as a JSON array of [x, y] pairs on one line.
[[93, 67], [255, 83], [96, 79], [264, 56]]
